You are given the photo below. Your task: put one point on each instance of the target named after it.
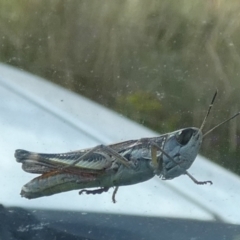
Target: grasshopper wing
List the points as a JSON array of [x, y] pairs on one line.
[[43, 163]]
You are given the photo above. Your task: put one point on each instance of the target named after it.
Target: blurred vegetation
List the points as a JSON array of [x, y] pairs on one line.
[[157, 62]]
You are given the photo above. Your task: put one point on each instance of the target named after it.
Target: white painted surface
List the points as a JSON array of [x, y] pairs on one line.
[[39, 116]]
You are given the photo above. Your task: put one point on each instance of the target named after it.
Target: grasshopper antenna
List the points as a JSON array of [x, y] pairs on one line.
[[220, 124], [209, 110]]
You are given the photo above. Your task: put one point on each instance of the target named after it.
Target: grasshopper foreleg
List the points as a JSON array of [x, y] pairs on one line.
[[154, 162], [196, 181]]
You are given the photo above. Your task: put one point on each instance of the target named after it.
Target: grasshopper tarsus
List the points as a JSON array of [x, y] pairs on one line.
[[95, 191], [203, 182], [99, 191], [196, 181]]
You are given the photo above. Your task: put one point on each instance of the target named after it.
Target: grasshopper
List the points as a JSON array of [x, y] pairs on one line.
[[167, 156]]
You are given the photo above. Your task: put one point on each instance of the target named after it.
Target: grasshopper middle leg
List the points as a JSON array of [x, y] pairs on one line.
[[99, 191]]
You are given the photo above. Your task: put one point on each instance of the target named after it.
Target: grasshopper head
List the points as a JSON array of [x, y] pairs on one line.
[[182, 147]]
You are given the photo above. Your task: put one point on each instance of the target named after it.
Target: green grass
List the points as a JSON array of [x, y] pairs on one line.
[[157, 62]]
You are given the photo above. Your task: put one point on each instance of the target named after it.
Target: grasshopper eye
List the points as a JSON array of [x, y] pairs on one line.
[[184, 136]]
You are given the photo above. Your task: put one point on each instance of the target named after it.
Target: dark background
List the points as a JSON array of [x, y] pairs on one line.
[[17, 223]]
